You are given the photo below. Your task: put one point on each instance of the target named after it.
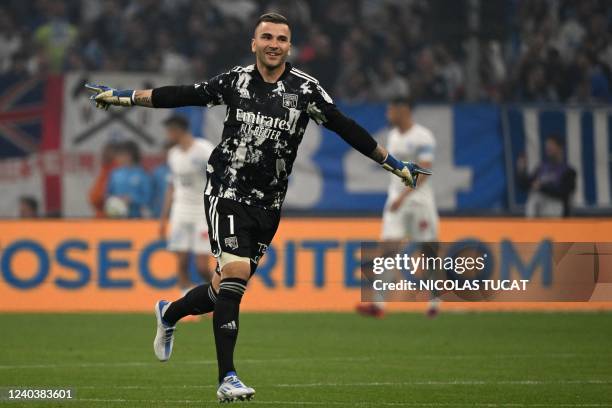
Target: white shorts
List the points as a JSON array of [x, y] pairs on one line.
[[414, 220], [189, 236], [541, 205]]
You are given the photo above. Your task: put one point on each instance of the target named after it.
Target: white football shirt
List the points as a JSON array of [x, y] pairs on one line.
[[188, 172], [417, 144]]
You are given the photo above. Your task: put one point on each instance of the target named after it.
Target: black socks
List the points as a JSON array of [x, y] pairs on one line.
[[225, 322], [226, 305], [197, 301]]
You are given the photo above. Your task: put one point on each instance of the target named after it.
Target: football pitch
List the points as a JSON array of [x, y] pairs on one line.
[[318, 360]]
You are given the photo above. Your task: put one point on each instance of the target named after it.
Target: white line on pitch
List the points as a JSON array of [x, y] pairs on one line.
[[297, 360], [362, 384], [195, 362], [455, 382]]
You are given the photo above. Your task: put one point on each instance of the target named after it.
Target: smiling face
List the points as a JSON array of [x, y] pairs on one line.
[[271, 44]]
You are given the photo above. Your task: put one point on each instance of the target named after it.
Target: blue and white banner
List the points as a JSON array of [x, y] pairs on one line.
[[476, 152], [586, 133]]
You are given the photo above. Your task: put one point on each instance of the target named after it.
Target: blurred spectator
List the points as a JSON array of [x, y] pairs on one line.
[[355, 89], [551, 185], [317, 55], [450, 72], [569, 38], [240, 10], [160, 177], [10, 42], [389, 84], [172, 62], [97, 193], [493, 72], [129, 181], [350, 63], [28, 207], [426, 82], [55, 36]]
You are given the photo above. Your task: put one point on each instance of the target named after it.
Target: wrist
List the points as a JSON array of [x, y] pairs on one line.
[[390, 163], [125, 95]]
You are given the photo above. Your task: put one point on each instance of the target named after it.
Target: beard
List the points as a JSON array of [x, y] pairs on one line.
[[271, 64]]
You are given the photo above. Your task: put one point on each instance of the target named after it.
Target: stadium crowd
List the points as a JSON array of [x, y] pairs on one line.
[[534, 51]]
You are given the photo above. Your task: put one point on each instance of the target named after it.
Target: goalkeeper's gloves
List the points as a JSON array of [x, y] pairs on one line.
[[407, 171], [105, 96]]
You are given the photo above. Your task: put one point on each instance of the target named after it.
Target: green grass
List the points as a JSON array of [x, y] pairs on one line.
[[320, 360]]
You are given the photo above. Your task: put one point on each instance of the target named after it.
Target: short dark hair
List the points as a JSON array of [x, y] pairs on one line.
[[178, 121], [404, 100], [130, 147], [275, 18]]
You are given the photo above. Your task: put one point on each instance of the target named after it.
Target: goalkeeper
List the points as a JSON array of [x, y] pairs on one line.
[[269, 105]]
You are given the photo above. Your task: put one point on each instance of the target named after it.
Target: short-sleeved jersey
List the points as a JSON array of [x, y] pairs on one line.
[[134, 183], [187, 170], [264, 125], [417, 144]]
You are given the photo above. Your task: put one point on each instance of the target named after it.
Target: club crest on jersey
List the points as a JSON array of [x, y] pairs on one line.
[[290, 100], [231, 242]]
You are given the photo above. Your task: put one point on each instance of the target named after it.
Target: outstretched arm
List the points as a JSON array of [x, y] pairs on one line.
[[362, 141], [163, 97], [321, 109], [207, 93], [354, 135]]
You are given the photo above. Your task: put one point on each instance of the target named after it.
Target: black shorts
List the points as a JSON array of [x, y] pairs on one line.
[[239, 229]]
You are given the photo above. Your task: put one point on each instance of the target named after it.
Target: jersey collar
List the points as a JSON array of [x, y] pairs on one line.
[[257, 74]]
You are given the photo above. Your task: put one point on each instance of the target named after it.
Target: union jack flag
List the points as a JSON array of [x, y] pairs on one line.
[[21, 115]]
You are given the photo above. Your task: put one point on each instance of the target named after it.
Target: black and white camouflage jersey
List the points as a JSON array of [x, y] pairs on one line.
[[264, 124]]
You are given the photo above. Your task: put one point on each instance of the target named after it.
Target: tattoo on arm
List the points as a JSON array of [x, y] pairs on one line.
[[379, 154], [143, 98]]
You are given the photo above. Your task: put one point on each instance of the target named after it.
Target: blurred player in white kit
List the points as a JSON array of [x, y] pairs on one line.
[[409, 214], [184, 200]]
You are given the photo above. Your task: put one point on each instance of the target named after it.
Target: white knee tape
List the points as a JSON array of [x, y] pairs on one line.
[[226, 258]]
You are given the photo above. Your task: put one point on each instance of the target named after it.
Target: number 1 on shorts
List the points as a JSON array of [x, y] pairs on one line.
[[231, 221]]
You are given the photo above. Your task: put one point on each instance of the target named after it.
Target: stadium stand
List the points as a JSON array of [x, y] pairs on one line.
[[528, 51]]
